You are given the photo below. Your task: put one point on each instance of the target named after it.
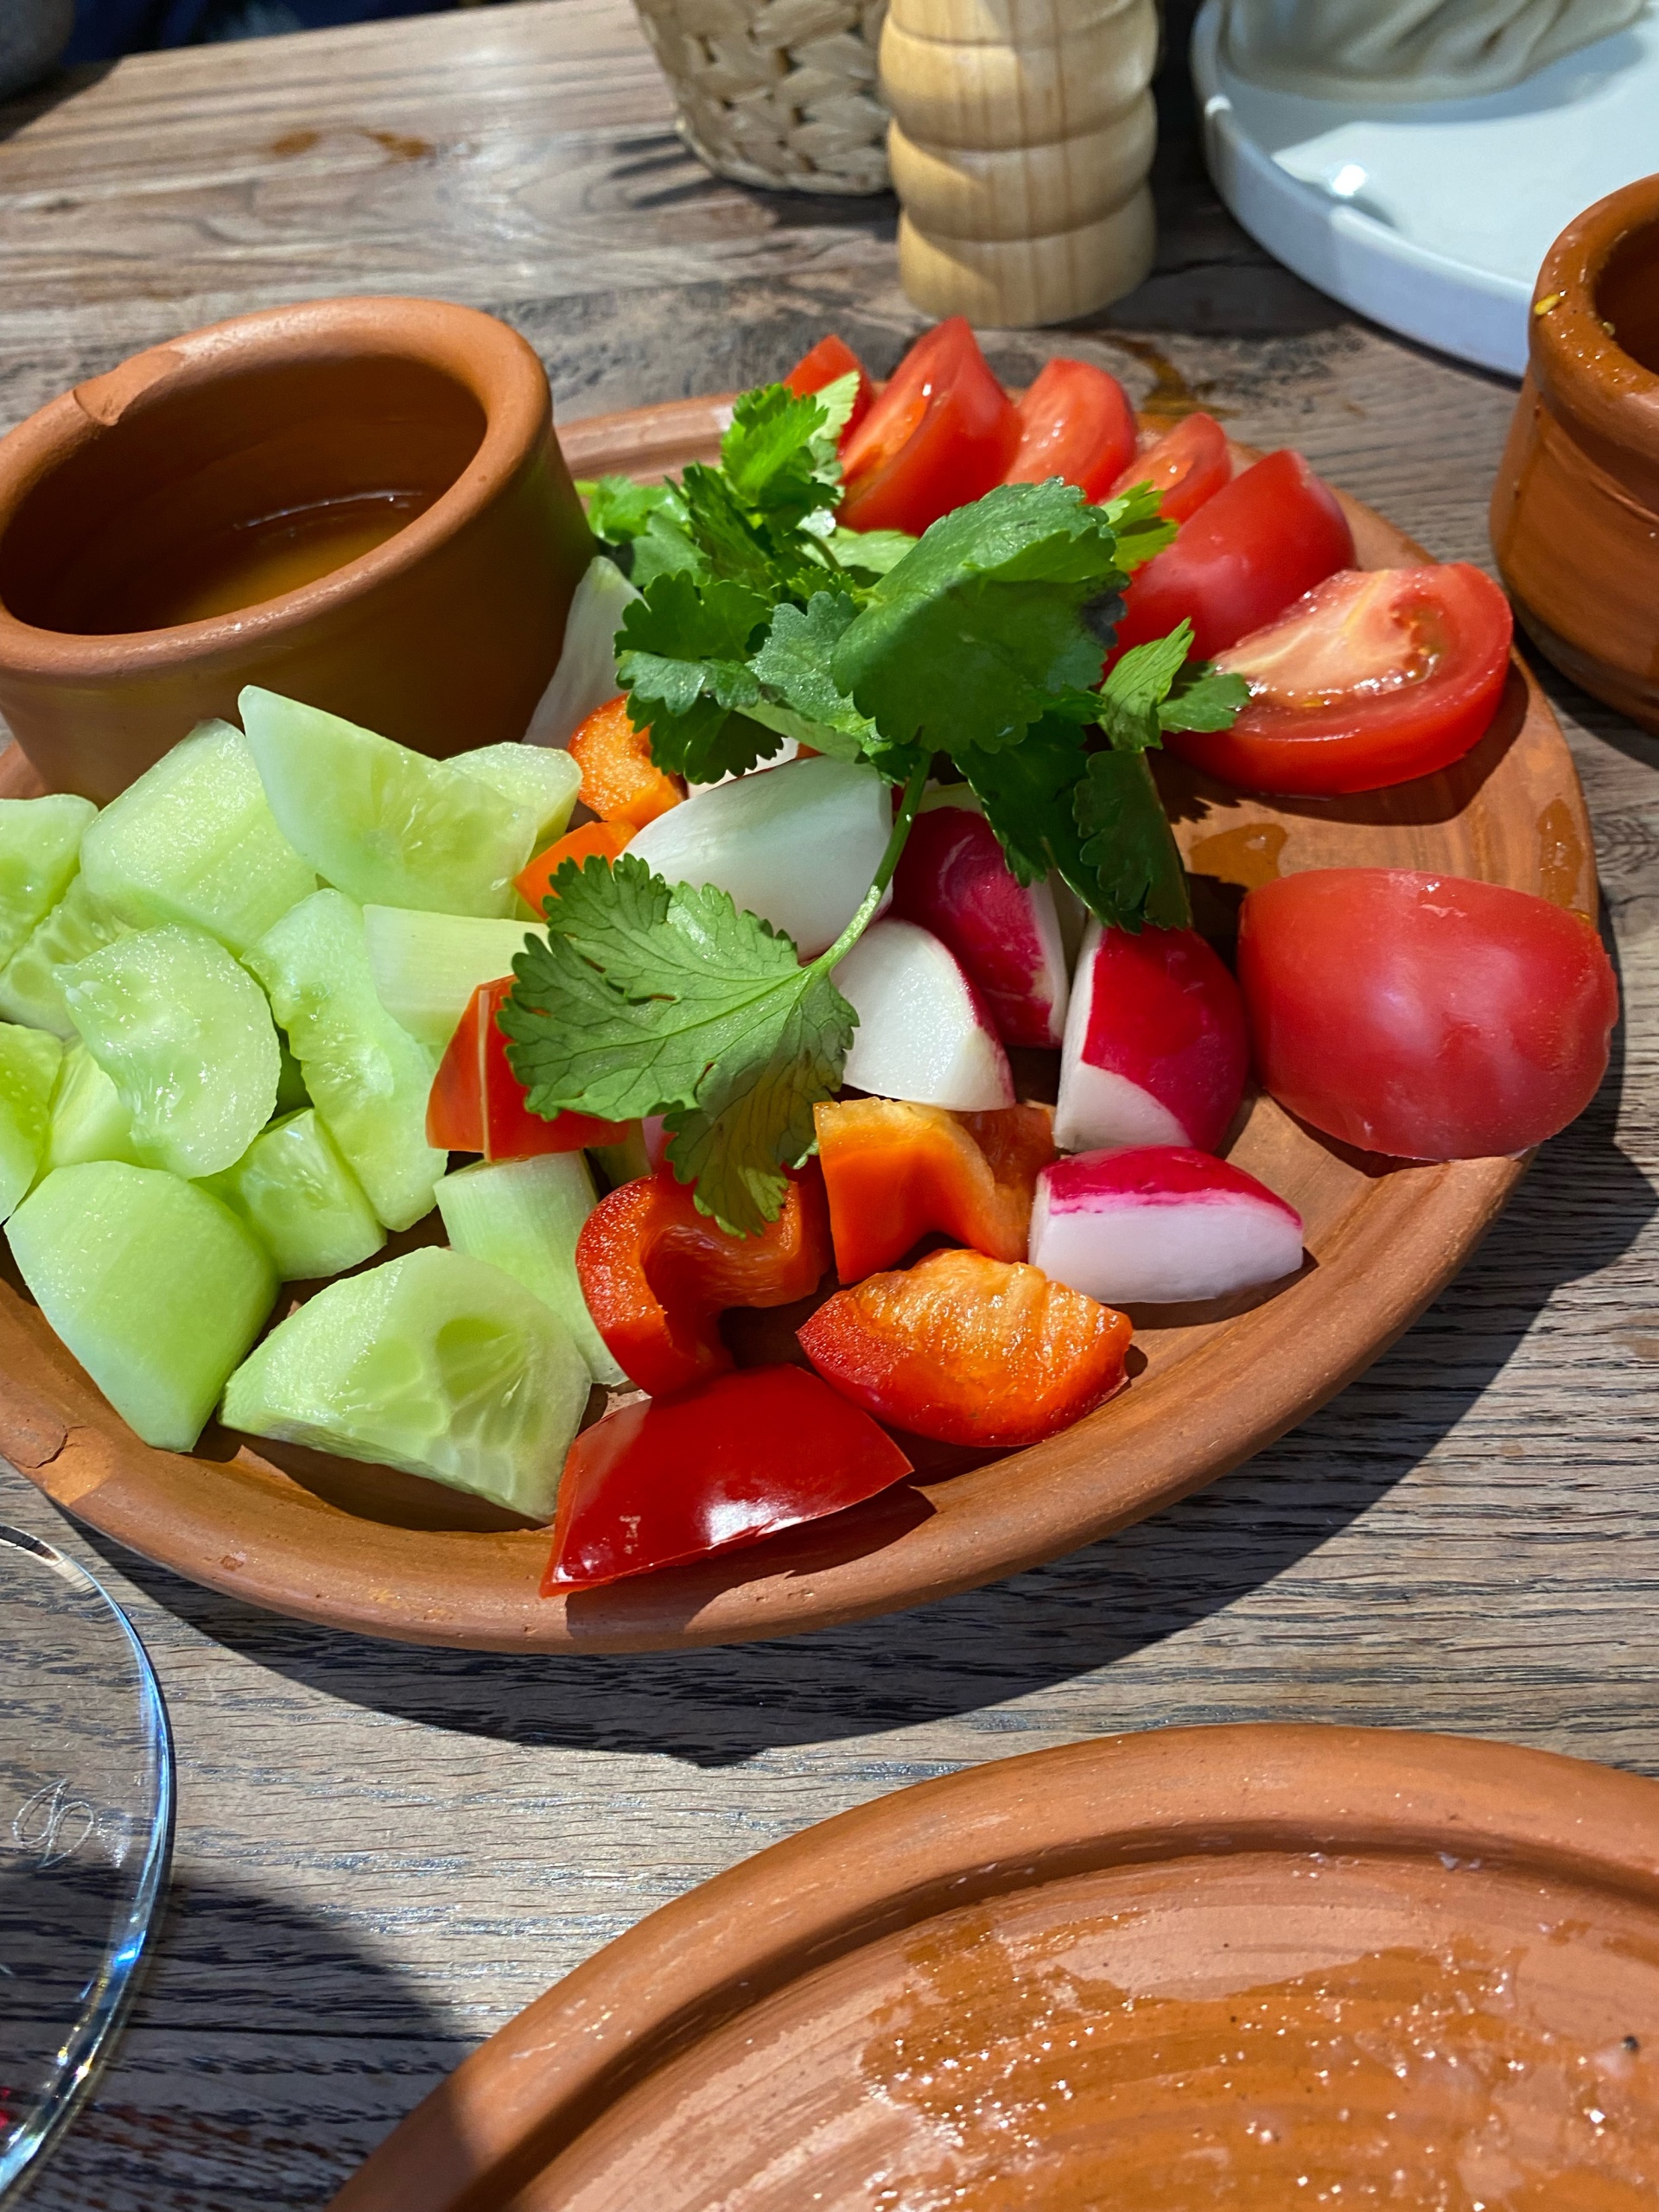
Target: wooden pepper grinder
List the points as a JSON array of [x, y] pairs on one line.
[[1022, 133]]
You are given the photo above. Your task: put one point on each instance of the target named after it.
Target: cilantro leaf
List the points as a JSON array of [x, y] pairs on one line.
[[778, 456], [683, 662], [1026, 791], [974, 635], [794, 664], [618, 510], [870, 552], [1203, 696], [1154, 687], [1132, 864], [1137, 522], [646, 999]]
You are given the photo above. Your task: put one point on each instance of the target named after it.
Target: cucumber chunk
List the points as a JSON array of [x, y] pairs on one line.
[[524, 1217], [186, 1036], [88, 1120], [435, 1363], [193, 841], [153, 1284], [539, 781], [29, 1059], [368, 1076], [40, 842], [291, 1093], [31, 986], [301, 1201], [382, 824], [426, 967]]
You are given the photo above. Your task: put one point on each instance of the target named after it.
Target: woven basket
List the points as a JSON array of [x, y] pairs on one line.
[[777, 92]]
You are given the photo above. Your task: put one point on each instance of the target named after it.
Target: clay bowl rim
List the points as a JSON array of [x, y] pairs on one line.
[[482, 355], [1581, 366], [687, 1969]]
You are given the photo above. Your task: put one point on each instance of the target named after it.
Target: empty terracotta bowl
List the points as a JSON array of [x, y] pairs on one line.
[[1576, 513], [359, 502]]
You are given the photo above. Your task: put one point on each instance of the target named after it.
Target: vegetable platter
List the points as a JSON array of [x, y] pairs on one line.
[[1328, 1247]]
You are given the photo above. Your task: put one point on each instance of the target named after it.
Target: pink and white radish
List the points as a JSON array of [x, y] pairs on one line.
[[796, 845], [1155, 1048], [954, 880], [923, 1032], [1159, 1226]]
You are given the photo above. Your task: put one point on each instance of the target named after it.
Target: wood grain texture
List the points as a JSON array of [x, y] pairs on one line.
[[383, 1855]]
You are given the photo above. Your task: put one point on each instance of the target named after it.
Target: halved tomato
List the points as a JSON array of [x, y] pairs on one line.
[[1258, 543], [942, 433], [1372, 678], [1075, 423], [1185, 467], [832, 357]]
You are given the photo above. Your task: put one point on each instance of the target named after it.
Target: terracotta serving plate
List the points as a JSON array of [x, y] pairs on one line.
[[1257, 1968], [388, 1554]]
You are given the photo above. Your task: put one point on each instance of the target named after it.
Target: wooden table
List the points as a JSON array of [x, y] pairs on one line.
[[383, 1854]]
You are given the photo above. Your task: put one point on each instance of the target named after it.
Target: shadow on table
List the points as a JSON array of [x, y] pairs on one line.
[[269, 2050], [1579, 1209]]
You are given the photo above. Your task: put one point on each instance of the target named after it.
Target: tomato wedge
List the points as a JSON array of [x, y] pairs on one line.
[[831, 358], [671, 1480], [1426, 1016], [1075, 423], [1373, 677], [477, 1103], [1187, 465], [534, 882], [894, 1171], [941, 434], [657, 1273], [620, 782], [970, 1351], [1252, 548]]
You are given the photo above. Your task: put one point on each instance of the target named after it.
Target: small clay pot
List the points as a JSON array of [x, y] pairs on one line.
[[1576, 511], [377, 479]]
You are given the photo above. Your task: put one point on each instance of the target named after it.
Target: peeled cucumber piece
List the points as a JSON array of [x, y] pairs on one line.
[[368, 1076], [186, 1036], [435, 1363], [31, 986], [294, 1190], [193, 841], [426, 967], [153, 1284], [524, 1217], [88, 1120], [385, 825], [39, 842], [29, 1059], [541, 782]]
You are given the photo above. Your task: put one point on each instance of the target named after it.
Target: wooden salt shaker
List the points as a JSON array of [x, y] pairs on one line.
[[1022, 134]]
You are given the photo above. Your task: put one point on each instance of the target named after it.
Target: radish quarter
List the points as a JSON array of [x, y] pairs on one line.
[[1155, 1048], [924, 1033], [1160, 1225]]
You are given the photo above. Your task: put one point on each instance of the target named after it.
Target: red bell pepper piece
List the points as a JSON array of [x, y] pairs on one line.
[[830, 358], [535, 882], [737, 1459], [970, 1351], [477, 1103], [894, 1172], [657, 1273]]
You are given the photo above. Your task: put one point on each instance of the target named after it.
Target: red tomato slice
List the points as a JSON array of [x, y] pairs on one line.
[[1426, 1016], [1185, 467], [1371, 679], [732, 1461], [830, 358], [1259, 543], [477, 1103], [1075, 423], [942, 433]]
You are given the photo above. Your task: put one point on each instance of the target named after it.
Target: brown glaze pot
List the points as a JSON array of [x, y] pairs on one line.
[[120, 491], [1576, 511], [1253, 1967]]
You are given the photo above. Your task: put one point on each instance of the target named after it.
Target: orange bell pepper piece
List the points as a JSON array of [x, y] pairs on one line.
[[970, 1351], [657, 1273], [608, 839], [894, 1172], [620, 782]]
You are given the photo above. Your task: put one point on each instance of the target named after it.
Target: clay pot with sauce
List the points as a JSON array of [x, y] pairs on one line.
[[1576, 513], [359, 502]]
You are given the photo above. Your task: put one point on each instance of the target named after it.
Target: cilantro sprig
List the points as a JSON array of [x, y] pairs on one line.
[[974, 650]]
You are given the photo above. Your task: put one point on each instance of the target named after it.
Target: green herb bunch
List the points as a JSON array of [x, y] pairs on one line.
[[971, 653]]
